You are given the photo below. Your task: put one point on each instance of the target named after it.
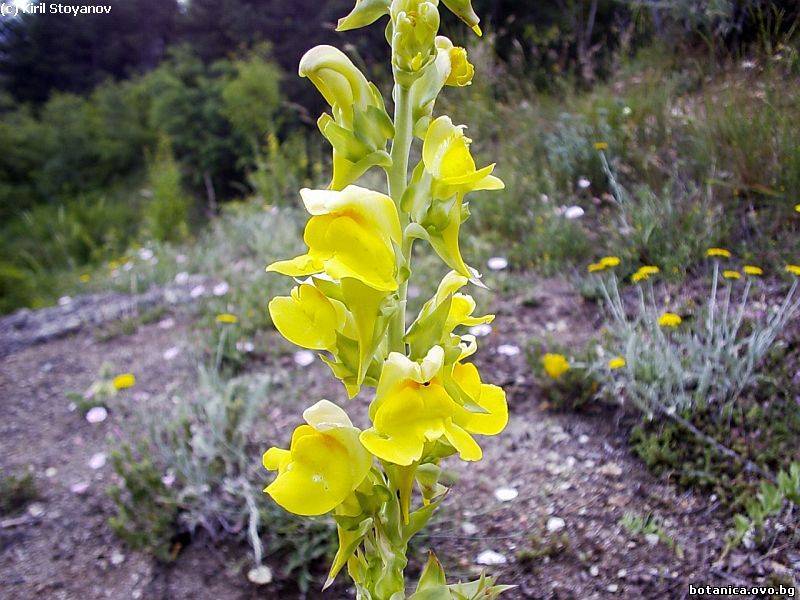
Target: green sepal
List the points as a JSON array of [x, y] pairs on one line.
[[349, 541], [432, 575]]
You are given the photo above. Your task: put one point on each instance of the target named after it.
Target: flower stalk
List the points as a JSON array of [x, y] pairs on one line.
[[382, 484]]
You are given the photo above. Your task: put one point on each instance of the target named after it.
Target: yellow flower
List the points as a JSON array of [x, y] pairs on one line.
[[307, 317], [644, 273], [555, 365], [461, 70], [718, 253], [124, 381], [350, 234], [610, 261], [360, 126], [596, 267], [85, 277], [728, 274], [435, 198], [793, 269], [414, 27], [669, 319], [797, 208], [412, 408], [753, 270], [324, 464], [446, 156], [601, 146], [227, 319], [616, 363]]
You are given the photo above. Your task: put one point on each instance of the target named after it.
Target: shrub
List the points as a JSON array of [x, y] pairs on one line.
[[165, 213]]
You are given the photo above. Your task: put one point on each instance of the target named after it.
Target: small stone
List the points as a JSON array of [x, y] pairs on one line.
[[481, 330], [490, 558], [168, 479], [117, 558], [508, 350], [145, 253], [594, 571], [469, 528], [181, 278], [167, 323], [261, 575], [555, 524], [171, 353], [303, 358], [51, 472], [622, 573], [497, 263], [197, 291], [245, 347], [584, 183], [96, 414], [583, 439], [36, 509], [613, 588], [64, 301], [505, 494], [221, 289], [651, 539], [573, 212], [98, 461], [79, 488]]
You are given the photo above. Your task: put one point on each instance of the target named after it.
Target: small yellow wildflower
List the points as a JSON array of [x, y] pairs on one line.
[[555, 365], [731, 274], [669, 319], [616, 363], [797, 208], [85, 277], [644, 273], [124, 381], [753, 270], [601, 146], [227, 318], [718, 253], [793, 269], [610, 261], [596, 267]]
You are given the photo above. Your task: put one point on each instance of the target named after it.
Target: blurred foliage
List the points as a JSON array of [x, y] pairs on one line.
[[165, 213], [16, 491]]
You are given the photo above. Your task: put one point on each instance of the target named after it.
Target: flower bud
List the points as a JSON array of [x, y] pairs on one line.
[[415, 25], [464, 11], [364, 13]]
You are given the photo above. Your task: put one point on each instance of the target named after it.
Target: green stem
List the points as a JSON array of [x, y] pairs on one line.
[[398, 181]]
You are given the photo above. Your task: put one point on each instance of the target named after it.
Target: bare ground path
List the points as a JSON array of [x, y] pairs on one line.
[[560, 536]]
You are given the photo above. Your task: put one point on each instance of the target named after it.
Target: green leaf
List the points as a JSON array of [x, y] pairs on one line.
[[433, 575]]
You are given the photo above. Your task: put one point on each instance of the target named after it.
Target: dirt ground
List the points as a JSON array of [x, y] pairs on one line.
[[570, 479]]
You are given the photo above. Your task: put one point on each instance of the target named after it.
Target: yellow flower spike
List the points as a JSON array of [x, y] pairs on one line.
[[616, 363], [793, 269], [730, 274], [324, 464], [124, 381], [752, 270], [350, 234], [718, 253], [464, 11], [555, 365], [610, 261], [307, 317], [670, 320], [227, 319]]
